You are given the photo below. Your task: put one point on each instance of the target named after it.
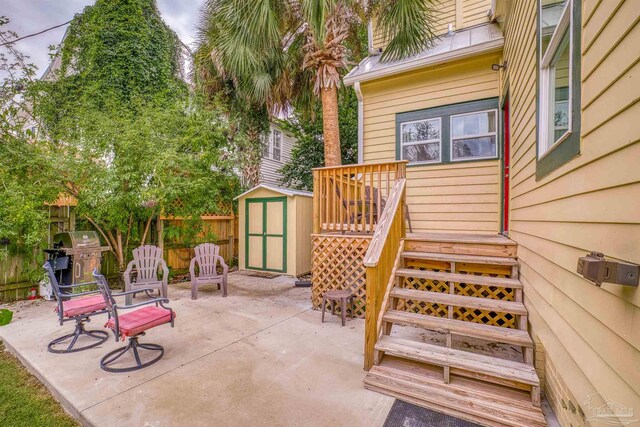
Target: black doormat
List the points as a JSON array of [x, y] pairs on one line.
[[403, 414]]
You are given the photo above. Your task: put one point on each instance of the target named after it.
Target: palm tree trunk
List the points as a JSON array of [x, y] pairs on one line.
[[330, 126]]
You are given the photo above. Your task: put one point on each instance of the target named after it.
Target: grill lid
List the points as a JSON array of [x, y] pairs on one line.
[[76, 240]]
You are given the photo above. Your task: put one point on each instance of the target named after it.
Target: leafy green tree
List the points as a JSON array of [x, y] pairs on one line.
[[282, 51], [248, 118], [23, 217]]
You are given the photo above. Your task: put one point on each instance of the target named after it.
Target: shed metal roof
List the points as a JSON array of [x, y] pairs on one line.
[[467, 42], [281, 190]]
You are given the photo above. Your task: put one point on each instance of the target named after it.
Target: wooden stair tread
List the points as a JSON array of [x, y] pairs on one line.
[[460, 300], [460, 327], [488, 239], [473, 362], [467, 259], [468, 399], [502, 282]]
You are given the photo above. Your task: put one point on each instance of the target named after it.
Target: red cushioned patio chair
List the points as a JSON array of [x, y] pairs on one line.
[[132, 325], [79, 308]]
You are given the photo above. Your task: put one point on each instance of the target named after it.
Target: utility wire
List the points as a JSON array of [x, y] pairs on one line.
[[34, 34]]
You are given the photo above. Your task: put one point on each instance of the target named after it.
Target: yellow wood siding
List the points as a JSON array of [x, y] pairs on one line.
[[591, 334], [459, 13], [453, 197], [474, 12]]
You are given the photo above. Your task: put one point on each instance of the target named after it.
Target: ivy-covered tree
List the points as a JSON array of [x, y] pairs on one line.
[[121, 132]]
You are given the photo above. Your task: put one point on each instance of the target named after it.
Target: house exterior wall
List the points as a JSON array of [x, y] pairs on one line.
[[590, 335], [457, 13], [269, 168], [455, 197]]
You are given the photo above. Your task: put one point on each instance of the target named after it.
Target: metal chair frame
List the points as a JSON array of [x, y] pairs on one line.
[[133, 344], [100, 336]]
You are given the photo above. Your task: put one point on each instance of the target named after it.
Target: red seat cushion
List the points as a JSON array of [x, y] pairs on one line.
[[140, 320], [78, 306]]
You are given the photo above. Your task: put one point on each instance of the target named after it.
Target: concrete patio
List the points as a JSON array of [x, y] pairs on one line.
[[258, 357]]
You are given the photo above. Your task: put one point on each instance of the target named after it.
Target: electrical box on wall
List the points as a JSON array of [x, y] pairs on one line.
[[596, 268]]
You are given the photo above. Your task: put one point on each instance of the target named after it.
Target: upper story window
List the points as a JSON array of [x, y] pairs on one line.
[[272, 145], [264, 138], [451, 133], [558, 83], [474, 136], [421, 142], [276, 142]]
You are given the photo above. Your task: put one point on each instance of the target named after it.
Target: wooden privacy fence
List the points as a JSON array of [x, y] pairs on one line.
[[351, 198], [15, 280], [178, 255]]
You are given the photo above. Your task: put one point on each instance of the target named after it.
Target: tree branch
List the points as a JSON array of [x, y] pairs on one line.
[[88, 218], [126, 242], [146, 228]]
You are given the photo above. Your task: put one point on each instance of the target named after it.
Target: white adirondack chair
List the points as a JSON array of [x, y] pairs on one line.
[[207, 257], [147, 260]]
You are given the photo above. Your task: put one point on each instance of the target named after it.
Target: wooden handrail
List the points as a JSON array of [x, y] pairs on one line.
[[380, 261], [372, 257], [397, 162]]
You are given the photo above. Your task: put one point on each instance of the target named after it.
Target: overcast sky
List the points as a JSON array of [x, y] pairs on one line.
[[31, 16]]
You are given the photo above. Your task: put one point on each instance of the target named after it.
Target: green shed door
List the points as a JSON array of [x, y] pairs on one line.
[[266, 234]]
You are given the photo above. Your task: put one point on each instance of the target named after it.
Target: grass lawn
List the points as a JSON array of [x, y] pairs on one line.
[[25, 401]]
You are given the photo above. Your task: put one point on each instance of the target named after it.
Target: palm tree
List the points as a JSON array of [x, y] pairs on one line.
[[281, 52], [248, 118]]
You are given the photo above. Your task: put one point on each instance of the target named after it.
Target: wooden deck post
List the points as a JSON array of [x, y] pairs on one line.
[[316, 202], [371, 318]]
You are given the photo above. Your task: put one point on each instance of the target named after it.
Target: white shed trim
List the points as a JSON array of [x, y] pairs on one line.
[[283, 191]]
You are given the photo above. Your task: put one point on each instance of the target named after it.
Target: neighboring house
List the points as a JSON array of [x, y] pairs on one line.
[[276, 151], [522, 120]]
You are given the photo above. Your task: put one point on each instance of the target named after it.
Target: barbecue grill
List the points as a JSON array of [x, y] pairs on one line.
[[74, 256]]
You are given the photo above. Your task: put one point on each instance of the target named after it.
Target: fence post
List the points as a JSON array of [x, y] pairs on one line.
[[232, 239]]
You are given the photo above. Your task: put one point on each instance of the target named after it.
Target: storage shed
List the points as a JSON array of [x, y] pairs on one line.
[[275, 226]]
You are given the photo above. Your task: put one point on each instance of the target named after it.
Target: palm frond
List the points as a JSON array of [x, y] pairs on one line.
[[407, 25]]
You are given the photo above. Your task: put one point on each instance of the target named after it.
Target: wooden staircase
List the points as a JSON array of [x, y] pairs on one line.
[[459, 286]]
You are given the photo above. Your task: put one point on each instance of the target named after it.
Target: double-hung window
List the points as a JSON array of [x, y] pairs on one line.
[[558, 84], [421, 141], [474, 136], [450, 133], [276, 140], [264, 139]]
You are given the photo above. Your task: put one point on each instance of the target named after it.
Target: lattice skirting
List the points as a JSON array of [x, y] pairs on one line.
[[462, 313], [338, 263]]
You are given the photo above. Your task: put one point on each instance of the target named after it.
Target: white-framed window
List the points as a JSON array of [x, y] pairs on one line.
[[556, 74], [421, 141], [276, 144], [474, 135], [264, 138]]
